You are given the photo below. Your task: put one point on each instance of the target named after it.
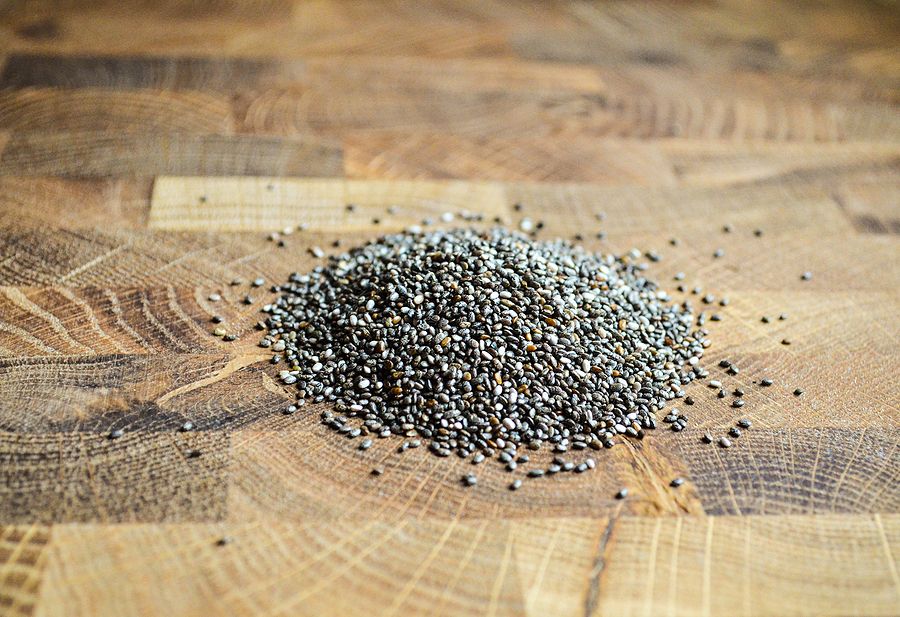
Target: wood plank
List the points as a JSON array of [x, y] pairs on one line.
[[813, 565], [265, 563], [766, 38], [737, 566], [341, 74], [137, 393], [36, 110], [80, 477], [57, 321], [796, 471], [256, 29], [424, 155], [403, 155], [99, 154], [72, 203], [266, 204], [122, 258], [694, 215], [293, 468], [715, 163], [107, 72], [338, 110]]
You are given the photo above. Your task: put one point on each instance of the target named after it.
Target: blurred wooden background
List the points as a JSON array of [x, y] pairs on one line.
[[147, 147]]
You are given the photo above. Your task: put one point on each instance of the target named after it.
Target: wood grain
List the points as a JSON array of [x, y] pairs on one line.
[[148, 148]]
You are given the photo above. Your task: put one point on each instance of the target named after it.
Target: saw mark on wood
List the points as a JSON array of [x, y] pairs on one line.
[[599, 563]]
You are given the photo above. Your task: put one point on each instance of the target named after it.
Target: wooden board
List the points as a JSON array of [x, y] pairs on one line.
[[146, 149]]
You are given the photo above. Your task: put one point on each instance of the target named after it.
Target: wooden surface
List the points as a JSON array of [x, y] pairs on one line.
[[674, 118]]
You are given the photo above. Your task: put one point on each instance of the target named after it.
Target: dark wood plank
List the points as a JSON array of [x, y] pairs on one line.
[[141, 477], [152, 72], [100, 154], [796, 471], [136, 393]]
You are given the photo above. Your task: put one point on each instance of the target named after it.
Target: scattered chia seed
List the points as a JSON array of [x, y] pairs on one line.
[[116, 434], [470, 480], [798, 392], [744, 423], [516, 484], [724, 442], [676, 482], [765, 382], [735, 431], [214, 297], [806, 276], [622, 494]]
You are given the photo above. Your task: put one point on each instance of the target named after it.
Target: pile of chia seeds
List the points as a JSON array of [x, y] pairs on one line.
[[481, 341]]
